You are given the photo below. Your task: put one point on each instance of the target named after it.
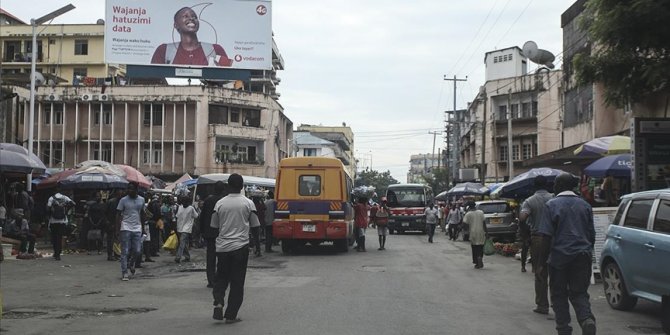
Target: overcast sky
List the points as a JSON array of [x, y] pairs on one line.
[[378, 65]]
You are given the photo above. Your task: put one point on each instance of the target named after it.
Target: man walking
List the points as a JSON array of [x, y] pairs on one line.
[[57, 206], [431, 214], [130, 212], [532, 211], [567, 228], [233, 216], [270, 205], [209, 233]]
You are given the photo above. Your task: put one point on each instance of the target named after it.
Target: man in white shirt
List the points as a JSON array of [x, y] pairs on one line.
[[58, 206], [233, 217], [129, 213]]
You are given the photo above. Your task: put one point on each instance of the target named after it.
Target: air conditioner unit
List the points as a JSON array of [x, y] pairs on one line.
[[104, 97], [179, 147], [54, 97], [86, 97]]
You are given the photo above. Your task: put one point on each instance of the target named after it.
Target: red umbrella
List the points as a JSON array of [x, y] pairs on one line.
[[134, 176], [52, 181]]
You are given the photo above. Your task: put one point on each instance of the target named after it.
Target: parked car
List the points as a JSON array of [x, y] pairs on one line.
[[635, 260], [499, 218]]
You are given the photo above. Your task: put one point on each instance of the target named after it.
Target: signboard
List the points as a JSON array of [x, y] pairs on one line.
[[651, 154], [233, 34], [602, 218]]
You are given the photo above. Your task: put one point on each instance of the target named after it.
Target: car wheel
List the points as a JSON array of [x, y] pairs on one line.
[[615, 288], [286, 246]]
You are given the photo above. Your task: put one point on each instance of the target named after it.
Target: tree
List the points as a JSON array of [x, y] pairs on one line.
[[631, 49], [437, 180], [380, 180]]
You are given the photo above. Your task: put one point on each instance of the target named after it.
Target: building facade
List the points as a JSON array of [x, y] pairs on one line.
[[421, 165], [161, 130], [308, 145], [342, 136]]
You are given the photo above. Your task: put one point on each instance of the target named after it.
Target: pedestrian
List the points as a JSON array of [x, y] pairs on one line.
[[57, 206], [441, 217], [532, 212], [95, 215], [186, 215], [129, 217], [381, 222], [361, 222], [209, 233], [18, 228], [431, 214], [260, 212], [454, 219], [234, 216], [373, 214], [111, 228], [474, 218], [569, 235], [270, 205], [154, 231]]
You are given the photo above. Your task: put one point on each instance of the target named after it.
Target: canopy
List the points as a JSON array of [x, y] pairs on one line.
[[467, 189], [17, 159], [248, 180], [133, 176], [93, 178], [615, 166], [522, 186], [605, 146]]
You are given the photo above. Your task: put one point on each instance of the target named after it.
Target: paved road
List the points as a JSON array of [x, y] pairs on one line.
[[411, 288]]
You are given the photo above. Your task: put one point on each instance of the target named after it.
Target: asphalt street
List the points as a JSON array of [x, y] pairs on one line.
[[413, 287]]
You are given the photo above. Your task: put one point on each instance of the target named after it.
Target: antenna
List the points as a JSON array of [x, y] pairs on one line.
[[538, 56]]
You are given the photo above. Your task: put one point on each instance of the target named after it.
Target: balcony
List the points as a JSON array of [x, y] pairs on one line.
[[342, 155], [237, 131]]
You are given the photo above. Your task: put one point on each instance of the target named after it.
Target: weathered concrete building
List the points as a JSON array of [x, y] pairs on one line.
[[343, 136], [159, 129], [308, 145], [420, 165]]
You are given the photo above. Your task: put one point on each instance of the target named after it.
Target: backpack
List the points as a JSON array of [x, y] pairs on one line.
[[57, 211]]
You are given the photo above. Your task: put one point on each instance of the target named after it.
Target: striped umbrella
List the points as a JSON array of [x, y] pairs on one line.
[[605, 146]]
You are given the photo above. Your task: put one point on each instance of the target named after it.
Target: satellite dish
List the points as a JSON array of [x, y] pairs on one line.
[[538, 56], [100, 21], [39, 79]]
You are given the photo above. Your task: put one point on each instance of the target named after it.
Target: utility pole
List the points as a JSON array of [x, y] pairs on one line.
[[432, 157], [447, 129], [456, 154], [482, 92], [510, 167]]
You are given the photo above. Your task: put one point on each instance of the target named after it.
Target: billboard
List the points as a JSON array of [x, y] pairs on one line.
[[222, 33]]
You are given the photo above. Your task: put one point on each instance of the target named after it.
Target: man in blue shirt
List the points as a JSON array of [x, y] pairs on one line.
[[567, 227], [130, 212]]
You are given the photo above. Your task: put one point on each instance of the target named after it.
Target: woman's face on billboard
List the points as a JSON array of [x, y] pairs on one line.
[[186, 21]]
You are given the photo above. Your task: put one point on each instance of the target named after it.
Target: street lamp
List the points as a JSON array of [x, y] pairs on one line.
[[31, 117]]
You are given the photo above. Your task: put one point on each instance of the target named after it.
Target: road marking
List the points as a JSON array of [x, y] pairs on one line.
[[278, 281]]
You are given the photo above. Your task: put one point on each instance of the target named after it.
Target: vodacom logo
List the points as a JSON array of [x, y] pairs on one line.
[[238, 58], [261, 10]]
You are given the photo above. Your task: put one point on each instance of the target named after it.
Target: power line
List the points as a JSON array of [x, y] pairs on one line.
[[476, 34]]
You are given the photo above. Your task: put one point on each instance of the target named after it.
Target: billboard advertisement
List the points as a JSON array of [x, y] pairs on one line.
[[221, 33]]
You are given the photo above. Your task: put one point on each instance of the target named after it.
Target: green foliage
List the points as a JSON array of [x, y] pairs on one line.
[[438, 180], [631, 48], [380, 180]]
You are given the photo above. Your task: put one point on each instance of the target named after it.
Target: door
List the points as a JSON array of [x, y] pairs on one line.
[[631, 239], [658, 269]]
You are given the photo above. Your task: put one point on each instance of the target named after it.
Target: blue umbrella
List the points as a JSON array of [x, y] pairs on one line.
[[615, 166], [467, 189], [522, 186], [93, 178]]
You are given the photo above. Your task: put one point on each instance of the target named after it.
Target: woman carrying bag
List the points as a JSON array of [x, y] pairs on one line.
[[474, 218]]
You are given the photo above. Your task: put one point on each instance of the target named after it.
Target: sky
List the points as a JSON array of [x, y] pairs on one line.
[[378, 65]]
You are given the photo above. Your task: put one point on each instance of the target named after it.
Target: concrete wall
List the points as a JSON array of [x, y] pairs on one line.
[[505, 63]]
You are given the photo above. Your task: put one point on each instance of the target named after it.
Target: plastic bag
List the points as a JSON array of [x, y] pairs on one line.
[[116, 247], [171, 242], [489, 249]]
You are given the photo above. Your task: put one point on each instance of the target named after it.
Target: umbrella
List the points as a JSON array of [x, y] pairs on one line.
[[103, 164], [134, 176], [442, 196], [522, 186], [93, 178], [52, 181], [605, 146], [468, 189], [615, 166], [17, 159], [156, 183]]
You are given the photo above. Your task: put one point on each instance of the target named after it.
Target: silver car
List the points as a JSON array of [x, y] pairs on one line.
[[499, 218]]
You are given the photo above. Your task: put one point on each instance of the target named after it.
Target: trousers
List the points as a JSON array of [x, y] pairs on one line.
[[540, 269], [231, 270], [571, 283]]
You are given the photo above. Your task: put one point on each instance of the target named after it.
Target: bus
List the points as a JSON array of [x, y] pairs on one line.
[[407, 203], [313, 204]]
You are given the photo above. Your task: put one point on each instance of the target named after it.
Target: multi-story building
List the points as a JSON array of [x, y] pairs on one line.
[[159, 129], [421, 165], [308, 145], [342, 136], [532, 100]]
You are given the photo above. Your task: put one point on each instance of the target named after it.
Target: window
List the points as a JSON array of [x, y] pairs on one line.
[[234, 115], [12, 51], [252, 118], [502, 112], [158, 154], [58, 113], [47, 114], [103, 153], [662, 220], [534, 109], [495, 59], [509, 57], [502, 153], [525, 110], [527, 151], [515, 152], [153, 115], [308, 152], [58, 152], [218, 114], [515, 111], [309, 185], [222, 153], [251, 154], [81, 47], [146, 153], [46, 154], [534, 149], [78, 75], [637, 215]]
